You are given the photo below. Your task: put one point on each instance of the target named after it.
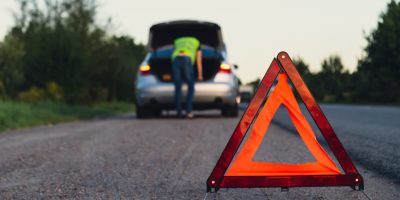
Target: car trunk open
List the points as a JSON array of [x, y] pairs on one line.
[[162, 68], [165, 33]]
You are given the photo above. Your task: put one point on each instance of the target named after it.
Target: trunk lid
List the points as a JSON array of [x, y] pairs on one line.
[[164, 34]]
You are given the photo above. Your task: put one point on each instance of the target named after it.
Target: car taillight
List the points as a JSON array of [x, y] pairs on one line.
[[225, 68], [145, 69]]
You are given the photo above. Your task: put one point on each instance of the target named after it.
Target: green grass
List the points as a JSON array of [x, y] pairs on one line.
[[15, 115]]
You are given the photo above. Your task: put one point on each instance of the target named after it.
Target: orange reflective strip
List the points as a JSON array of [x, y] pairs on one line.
[[244, 166]]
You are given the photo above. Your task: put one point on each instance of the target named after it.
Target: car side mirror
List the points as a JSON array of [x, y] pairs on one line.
[[235, 66]]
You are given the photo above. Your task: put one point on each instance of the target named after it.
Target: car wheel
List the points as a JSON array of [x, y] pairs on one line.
[[230, 110], [146, 112], [157, 113]]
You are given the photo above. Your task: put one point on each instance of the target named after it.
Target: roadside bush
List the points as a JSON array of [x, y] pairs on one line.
[[33, 94], [101, 94], [54, 92], [3, 94]]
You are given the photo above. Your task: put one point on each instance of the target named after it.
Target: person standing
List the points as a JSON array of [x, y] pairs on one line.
[[186, 52]]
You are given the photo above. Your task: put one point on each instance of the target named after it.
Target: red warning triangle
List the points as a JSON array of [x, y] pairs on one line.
[[244, 172], [244, 166]]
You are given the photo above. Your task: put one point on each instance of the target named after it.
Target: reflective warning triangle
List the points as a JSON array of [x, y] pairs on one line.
[[244, 172], [243, 164]]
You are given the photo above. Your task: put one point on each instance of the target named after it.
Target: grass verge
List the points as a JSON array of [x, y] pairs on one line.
[[15, 115]]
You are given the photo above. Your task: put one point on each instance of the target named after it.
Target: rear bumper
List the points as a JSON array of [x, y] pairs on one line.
[[206, 96]]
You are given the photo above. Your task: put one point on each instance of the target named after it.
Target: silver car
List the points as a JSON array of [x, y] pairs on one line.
[[154, 87]]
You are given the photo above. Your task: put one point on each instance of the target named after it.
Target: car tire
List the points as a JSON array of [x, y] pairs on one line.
[[146, 112], [230, 111]]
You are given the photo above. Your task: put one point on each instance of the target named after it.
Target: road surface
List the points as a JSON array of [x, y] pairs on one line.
[[371, 134], [168, 158]]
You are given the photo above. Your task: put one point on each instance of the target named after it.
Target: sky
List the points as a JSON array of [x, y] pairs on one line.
[[255, 31]]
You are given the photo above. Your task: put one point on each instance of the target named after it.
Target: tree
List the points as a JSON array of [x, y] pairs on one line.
[[66, 47], [333, 79], [378, 71], [11, 72], [302, 67], [311, 80], [332, 65]]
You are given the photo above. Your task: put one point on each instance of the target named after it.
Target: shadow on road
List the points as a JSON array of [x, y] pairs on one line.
[[172, 115], [197, 116]]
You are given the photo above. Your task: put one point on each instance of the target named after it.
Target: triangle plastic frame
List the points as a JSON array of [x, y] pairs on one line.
[[217, 179]]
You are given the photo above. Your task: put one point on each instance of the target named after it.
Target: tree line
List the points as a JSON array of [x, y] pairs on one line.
[[332, 84], [377, 77], [58, 52]]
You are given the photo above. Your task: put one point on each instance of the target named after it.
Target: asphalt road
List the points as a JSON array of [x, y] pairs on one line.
[[370, 134], [167, 158]]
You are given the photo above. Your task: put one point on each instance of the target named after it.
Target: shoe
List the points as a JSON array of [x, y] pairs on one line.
[[189, 115]]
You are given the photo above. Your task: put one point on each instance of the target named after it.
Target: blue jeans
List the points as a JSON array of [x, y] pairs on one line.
[[182, 67]]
